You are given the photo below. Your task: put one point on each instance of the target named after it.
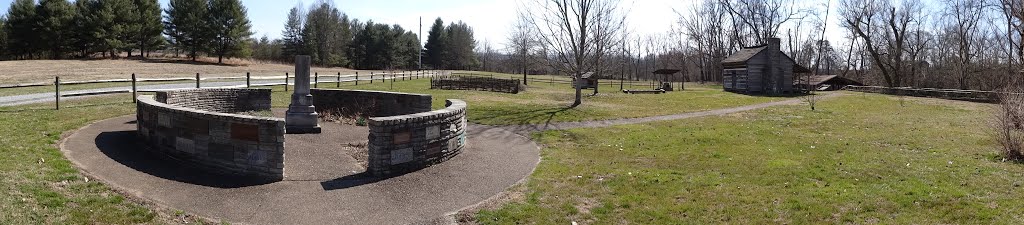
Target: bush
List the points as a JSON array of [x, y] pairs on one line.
[[1009, 123]]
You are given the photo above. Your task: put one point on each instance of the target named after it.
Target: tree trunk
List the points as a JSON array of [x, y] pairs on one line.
[[579, 96]]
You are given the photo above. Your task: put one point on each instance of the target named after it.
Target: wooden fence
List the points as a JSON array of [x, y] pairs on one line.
[[455, 82], [951, 94], [316, 80]]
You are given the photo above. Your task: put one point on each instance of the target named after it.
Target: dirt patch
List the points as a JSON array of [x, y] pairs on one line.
[[357, 151], [516, 193]]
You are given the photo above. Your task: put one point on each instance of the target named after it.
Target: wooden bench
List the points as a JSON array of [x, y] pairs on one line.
[[656, 91]]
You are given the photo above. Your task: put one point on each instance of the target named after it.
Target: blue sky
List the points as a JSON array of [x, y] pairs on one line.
[[490, 19]]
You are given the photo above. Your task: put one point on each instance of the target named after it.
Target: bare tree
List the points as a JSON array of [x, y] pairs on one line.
[[963, 22], [883, 30], [521, 42], [573, 31], [756, 21]]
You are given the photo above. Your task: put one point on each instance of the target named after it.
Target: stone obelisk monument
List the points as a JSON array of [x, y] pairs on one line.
[[301, 117]]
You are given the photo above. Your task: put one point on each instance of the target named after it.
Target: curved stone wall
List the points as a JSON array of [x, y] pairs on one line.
[[404, 134], [194, 126], [411, 142], [226, 100], [368, 103]]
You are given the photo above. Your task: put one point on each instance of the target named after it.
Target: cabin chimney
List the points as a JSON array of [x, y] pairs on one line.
[[774, 73], [773, 44]]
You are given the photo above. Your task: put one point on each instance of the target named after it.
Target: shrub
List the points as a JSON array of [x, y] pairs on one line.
[[1009, 123]]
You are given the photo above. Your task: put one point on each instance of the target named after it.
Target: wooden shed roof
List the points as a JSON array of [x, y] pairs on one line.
[[666, 71], [587, 75], [821, 79]]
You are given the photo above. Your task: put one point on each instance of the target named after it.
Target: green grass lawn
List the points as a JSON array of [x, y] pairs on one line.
[[858, 159], [543, 103], [40, 186]]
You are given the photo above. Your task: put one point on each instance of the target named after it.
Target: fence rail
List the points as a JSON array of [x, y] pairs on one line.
[[552, 80], [951, 94], [337, 79]]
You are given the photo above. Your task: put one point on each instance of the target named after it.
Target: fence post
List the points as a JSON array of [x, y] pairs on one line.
[[316, 80], [247, 78], [286, 82], [339, 80], [134, 90], [392, 81], [371, 77], [56, 91], [197, 80], [357, 78]]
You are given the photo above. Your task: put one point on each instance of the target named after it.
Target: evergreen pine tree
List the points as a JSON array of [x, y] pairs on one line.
[[293, 43], [149, 25], [85, 28], [20, 28], [54, 21], [435, 46], [230, 28], [186, 22], [3, 38]]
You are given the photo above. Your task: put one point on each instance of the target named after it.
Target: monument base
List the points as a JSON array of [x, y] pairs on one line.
[[302, 130]]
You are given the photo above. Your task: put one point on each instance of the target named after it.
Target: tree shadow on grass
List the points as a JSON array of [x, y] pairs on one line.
[[124, 147], [517, 116], [186, 62]]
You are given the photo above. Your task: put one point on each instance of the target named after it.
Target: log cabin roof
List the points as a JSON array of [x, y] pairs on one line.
[[741, 57]]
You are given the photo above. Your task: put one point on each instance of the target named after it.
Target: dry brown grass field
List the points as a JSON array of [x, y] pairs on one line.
[[29, 71]]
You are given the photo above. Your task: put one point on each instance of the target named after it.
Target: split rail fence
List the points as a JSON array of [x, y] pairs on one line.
[[316, 80]]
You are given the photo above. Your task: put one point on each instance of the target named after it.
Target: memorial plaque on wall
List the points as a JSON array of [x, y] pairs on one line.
[[401, 156], [433, 132], [245, 132], [185, 145], [402, 137]]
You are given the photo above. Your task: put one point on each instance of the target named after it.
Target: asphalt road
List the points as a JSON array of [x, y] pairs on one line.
[[326, 81]]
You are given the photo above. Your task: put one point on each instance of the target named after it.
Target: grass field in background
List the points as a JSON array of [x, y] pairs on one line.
[[543, 103], [858, 159], [39, 186]]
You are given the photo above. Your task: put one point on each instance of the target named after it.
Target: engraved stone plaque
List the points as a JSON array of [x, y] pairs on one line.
[[401, 156], [433, 132], [185, 145], [257, 157], [164, 120]]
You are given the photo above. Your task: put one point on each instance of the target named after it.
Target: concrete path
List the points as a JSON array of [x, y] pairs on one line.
[[325, 81], [493, 161]]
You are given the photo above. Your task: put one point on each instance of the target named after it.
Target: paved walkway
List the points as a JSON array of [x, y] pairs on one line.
[[495, 159]]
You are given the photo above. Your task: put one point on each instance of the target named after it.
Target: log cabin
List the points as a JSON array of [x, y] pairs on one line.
[[762, 69]]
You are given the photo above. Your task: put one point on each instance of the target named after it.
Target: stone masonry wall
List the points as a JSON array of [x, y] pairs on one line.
[[225, 100], [405, 143], [220, 142], [368, 103]]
